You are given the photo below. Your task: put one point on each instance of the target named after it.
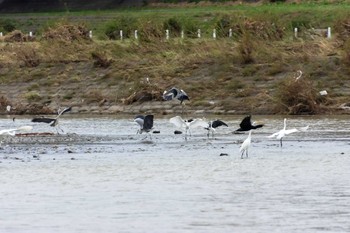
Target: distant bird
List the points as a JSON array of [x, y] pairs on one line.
[[8, 108], [212, 125], [283, 132], [52, 121], [187, 125], [299, 74], [175, 93], [247, 125], [245, 145], [145, 123]]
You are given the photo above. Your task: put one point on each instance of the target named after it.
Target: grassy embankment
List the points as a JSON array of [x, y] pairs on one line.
[[252, 72]]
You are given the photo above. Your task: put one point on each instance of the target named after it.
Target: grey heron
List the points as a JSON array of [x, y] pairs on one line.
[[52, 121], [212, 125], [145, 123]]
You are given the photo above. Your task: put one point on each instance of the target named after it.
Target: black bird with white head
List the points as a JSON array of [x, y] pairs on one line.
[[145, 123], [212, 125], [175, 93], [247, 125], [52, 121]]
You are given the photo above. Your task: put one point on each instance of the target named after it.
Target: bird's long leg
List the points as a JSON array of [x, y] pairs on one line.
[[246, 153], [281, 141], [242, 154]]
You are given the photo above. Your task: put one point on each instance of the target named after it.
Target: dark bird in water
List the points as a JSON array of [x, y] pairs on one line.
[[247, 125], [175, 93], [212, 125], [145, 123], [52, 121]]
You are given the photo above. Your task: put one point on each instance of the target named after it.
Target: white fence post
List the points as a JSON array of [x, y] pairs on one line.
[[1, 35], [135, 34], [167, 34], [182, 34], [30, 34], [90, 34], [214, 34], [295, 32], [199, 33], [230, 32], [121, 34], [329, 32]]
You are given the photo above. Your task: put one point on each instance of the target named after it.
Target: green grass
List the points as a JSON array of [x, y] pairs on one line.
[[205, 17]]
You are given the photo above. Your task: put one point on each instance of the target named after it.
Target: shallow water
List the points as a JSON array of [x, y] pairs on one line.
[[101, 177]]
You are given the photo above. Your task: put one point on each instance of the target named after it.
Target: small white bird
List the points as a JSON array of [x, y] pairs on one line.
[[187, 125], [245, 145], [283, 132]]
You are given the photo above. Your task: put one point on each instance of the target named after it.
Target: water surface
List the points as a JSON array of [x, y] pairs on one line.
[[99, 176]]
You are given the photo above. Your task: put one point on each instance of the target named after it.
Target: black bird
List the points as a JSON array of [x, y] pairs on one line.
[[51, 121], [175, 93], [247, 125], [212, 125], [145, 123]]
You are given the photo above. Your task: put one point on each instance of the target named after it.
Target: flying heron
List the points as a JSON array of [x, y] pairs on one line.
[[175, 93], [247, 125], [52, 121]]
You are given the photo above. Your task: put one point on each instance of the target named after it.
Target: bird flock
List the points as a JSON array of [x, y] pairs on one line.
[[145, 123]]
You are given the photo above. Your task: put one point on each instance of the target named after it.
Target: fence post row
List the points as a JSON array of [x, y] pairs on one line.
[[167, 33]]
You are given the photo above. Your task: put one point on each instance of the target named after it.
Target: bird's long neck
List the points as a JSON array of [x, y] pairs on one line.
[[285, 124]]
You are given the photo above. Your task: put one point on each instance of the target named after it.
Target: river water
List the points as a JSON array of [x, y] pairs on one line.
[[99, 176]]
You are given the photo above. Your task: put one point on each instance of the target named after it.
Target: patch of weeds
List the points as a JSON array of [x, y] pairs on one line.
[[234, 85], [249, 70], [34, 86], [32, 96]]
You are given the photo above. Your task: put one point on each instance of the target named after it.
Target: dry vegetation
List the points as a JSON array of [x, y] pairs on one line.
[[252, 73]]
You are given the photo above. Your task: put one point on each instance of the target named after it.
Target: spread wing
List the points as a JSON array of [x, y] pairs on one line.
[[148, 122], [289, 131], [198, 123], [43, 120], [246, 123], [171, 94], [218, 123], [139, 120], [65, 110], [177, 121]]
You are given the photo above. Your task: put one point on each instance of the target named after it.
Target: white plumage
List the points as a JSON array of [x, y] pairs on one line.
[[245, 145], [187, 125], [283, 132]]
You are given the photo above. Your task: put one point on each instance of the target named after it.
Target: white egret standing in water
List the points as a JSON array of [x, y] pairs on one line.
[[245, 145], [283, 132]]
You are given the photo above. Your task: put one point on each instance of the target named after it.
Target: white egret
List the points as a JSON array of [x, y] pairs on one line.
[[245, 145], [187, 125], [283, 132]]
